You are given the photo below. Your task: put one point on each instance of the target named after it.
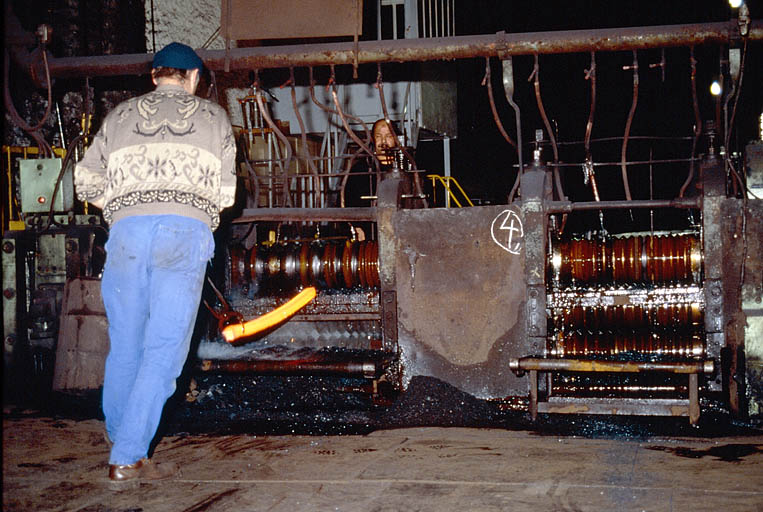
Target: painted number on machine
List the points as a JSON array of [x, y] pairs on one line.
[[507, 231]]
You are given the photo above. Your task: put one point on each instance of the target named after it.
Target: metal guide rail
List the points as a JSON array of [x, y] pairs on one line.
[[629, 406]]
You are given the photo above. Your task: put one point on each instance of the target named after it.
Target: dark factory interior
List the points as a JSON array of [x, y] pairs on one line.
[[565, 238]]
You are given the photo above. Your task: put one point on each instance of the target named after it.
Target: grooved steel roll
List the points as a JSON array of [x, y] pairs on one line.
[[630, 316], [326, 265], [668, 345], [657, 260]]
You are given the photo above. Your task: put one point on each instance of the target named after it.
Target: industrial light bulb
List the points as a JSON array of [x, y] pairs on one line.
[[715, 88], [735, 3]]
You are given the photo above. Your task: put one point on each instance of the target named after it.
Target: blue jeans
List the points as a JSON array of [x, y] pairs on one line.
[[151, 289]]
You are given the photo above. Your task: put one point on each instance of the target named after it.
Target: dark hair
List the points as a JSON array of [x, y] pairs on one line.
[[377, 124], [161, 72]]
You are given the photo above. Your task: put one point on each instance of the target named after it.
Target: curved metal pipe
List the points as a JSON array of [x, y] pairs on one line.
[[623, 166], [536, 84], [320, 105], [303, 133], [347, 128], [508, 89], [334, 112], [590, 75], [284, 140], [588, 165], [252, 173], [488, 83], [733, 115], [32, 131], [697, 122]]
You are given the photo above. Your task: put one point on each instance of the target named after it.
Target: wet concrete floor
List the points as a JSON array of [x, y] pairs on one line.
[[60, 464]]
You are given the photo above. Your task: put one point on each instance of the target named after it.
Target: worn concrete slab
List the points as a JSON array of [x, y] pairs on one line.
[[60, 465]]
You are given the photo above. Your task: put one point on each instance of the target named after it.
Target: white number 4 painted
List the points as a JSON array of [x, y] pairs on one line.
[[507, 231]]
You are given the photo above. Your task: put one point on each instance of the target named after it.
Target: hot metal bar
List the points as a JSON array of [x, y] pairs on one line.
[[581, 365], [566, 207], [307, 214], [499, 45], [367, 369]]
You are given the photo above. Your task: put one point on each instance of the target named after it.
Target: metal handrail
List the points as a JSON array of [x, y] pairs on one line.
[[445, 180]]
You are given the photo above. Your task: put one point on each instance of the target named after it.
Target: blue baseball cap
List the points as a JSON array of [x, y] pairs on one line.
[[177, 55]]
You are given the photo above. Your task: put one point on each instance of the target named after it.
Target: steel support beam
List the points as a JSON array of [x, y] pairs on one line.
[[367, 369], [622, 406], [307, 215], [628, 406], [597, 366], [567, 206], [499, 45]]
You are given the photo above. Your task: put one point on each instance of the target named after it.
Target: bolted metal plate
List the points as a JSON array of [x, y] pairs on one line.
[[83, 339], [460, 290], [38, 182]]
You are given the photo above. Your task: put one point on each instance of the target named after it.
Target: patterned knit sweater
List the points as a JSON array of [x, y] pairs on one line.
[[166, 152]]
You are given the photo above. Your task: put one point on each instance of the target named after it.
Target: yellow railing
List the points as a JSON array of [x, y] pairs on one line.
[[446, 181]]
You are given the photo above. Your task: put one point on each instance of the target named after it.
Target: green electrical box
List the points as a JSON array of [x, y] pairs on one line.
[[38, 181]]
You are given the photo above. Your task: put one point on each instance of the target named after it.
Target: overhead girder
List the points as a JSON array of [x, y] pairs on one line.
[[499, 45]]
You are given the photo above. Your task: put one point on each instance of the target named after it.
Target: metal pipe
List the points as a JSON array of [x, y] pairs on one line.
[[317, 183], [590, 74], [738, 86], [286, 162], [566, 206], [582, 365], [367, 369], [252, 174], [508, 88], [307, 215], [632, 111], [488, 83], [331, 111], [423, 49], [697, 122], [535, 77], [351, 133], [588, 171]]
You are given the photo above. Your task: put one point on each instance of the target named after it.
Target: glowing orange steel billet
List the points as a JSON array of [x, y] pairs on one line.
[[231, 333]]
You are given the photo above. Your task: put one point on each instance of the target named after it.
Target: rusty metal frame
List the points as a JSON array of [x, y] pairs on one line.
[[500, 45], [568, 206], [585, 365], [628, 406], [306, 366], [355, 214]]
